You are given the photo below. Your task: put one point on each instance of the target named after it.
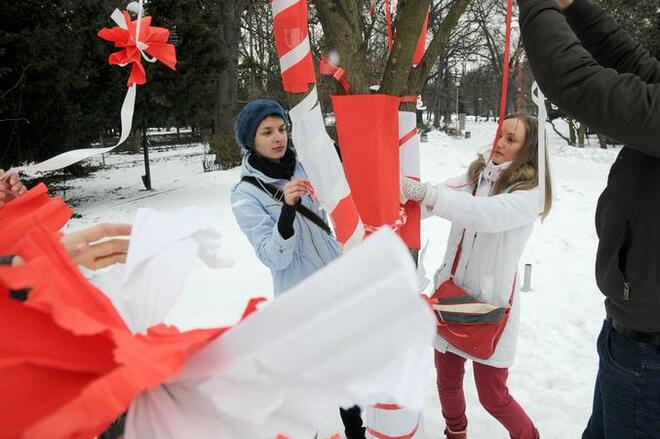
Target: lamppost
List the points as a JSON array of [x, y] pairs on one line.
[[458, 85]]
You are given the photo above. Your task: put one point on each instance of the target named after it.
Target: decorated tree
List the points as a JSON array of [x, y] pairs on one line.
[[376, 132]]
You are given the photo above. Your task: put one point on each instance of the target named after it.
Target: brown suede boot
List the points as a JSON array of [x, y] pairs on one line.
[[450, 434]]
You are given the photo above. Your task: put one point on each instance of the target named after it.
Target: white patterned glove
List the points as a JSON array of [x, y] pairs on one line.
[[412, 190], [416, 191]]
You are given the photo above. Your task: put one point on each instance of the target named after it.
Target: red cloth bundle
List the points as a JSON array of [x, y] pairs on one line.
[[368, 136]]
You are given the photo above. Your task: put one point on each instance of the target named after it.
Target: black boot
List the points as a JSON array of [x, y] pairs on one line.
[[352, 422]]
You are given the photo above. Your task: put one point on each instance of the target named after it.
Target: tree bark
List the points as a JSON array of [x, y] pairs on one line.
[[229, 16], [340, 20]]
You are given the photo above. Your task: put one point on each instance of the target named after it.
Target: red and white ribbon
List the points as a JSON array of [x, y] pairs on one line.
[[127, 109], [328, 68], [290, 22]]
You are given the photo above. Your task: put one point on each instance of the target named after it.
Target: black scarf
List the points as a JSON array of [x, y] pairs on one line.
[[282, 170]]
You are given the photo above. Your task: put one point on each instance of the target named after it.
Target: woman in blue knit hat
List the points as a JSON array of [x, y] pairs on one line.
[[271, 203], [275, 210]]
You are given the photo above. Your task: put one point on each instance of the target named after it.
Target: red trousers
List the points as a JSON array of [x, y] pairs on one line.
[[493, 395]]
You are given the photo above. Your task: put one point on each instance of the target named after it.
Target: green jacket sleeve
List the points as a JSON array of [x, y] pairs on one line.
[[619, 105]]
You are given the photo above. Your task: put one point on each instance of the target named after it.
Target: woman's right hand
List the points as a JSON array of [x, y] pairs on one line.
[[293, 191]]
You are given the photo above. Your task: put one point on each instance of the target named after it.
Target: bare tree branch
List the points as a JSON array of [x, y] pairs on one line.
[[18, 82], [437, 46]]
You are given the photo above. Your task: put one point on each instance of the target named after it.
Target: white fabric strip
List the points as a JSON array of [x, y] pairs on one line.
[[539, 99], [119, 18], [294, 56], [245, 385], [409, 151], [70, 157], [280, 5]]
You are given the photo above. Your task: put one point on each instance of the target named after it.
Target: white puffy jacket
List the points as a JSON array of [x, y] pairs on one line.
[[497, 229]]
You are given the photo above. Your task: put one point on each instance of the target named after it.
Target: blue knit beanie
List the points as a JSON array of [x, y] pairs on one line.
[[250, 117]]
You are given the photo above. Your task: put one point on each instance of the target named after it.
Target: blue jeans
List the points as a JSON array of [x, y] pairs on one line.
[[627, 394]]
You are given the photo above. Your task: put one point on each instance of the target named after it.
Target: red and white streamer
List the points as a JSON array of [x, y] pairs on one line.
[[390, 421], [290, 22], [315, 149]]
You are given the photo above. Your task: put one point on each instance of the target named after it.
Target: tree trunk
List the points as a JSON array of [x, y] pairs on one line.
[[581, 132], [137, 139], [223, 144]]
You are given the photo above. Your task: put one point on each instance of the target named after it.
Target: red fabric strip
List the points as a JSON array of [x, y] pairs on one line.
[[388, 21], [408, 136], [505, 75], [345, 218], [420, 50]]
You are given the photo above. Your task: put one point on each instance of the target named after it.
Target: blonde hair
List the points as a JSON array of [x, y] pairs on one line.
[[522, 174]]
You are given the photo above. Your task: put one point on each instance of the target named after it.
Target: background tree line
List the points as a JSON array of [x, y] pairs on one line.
[[57, 91]]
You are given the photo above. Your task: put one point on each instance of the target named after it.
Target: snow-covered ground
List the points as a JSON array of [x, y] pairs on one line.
[[556, 363]]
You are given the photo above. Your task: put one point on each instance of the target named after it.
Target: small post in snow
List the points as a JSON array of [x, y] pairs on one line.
[[527, 281]]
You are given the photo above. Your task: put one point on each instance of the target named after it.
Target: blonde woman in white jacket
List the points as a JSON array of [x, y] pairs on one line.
[[498, 221]]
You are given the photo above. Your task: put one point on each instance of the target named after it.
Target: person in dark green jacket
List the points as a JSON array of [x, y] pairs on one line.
[[596, 72]]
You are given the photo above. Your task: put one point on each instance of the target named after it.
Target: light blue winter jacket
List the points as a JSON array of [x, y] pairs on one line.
[[290, 260]]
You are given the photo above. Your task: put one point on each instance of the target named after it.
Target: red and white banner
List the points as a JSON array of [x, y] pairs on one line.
[[290, 23]]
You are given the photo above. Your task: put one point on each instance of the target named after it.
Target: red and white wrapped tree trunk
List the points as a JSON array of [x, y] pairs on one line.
[[314, 147]]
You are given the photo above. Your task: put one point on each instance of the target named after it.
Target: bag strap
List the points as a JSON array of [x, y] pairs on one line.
[[278, 195], [459, 249]]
